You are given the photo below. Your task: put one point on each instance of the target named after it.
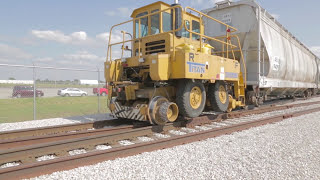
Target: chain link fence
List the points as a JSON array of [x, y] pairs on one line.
[[41, 92]]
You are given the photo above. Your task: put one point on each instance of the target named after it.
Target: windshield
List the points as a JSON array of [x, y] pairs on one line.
[[166, 22], [143, 25], [155, 29], [195, 28]]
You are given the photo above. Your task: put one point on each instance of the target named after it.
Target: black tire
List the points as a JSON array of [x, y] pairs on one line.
[[213, 91], [83, 94], [67, 95], [183, 98]]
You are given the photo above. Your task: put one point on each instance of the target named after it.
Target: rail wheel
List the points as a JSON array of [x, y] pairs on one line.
[[162, 111], [191, 98], [218, 96]]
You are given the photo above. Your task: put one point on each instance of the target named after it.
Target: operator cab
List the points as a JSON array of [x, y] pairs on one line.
[[155, 21]]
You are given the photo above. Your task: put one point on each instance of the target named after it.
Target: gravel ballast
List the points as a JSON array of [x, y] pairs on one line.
[[289, 149], [286, 150]]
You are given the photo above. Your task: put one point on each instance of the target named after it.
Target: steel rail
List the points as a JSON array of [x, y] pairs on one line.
[[64, 163], [14, 143], [22, 133], [29, 154]]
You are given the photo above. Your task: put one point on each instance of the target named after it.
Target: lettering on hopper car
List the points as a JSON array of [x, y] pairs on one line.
[[196, 67], [276, 63]]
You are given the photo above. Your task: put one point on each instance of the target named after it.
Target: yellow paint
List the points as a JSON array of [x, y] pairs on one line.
[[173, 112], [113, 70], [148, 93], [222, 94], [162, 56], [160, 67], [130, 91], [206, 49], [195, 97]]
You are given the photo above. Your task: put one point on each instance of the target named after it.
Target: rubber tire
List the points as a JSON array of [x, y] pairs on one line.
[[213, 91], [83, 94], [183, 98], [67, 95]]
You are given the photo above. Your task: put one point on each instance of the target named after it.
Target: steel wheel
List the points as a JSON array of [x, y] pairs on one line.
[[162, 111]]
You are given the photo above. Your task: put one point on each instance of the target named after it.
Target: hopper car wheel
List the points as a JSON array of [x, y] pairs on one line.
[[191, 98], [218, 96]]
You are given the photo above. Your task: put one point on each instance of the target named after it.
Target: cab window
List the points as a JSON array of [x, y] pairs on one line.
[[166, 22], [155, 22], [195, 28], [184, 32], [143, 25]]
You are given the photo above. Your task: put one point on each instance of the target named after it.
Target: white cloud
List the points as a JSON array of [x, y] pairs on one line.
[[51, 35], [81, 36], [316, 50], [44, 59], [116, 36], [8, 53], [83, 55], [123, 12], [59, 36], [276, 16]]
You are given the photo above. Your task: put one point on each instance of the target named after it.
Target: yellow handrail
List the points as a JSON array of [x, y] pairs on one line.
[[201, 13], [228, 36], [109, 52]]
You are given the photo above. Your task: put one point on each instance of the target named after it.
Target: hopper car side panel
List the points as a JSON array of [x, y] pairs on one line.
[[282, 65]]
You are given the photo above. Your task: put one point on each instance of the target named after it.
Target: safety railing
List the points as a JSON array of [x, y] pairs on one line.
[[227, 43], [233, 51], [109, 53]]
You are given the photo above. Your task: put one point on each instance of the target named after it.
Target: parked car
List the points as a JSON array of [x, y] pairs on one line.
[[72, 92], [102, 91], [25, 91]]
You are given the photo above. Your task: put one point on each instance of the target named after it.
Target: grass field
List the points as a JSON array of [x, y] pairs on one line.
[[15, 110]]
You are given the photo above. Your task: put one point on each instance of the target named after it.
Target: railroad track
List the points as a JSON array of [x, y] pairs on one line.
[[61, 129], [30, 166], [26, 137], [70, 128]]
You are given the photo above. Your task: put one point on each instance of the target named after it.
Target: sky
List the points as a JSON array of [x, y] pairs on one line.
[[74, 33]]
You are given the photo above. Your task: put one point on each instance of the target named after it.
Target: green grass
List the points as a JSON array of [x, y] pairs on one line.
[[16, 110]]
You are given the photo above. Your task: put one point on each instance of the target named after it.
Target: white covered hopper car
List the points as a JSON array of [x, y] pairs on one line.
[[278, 64]]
